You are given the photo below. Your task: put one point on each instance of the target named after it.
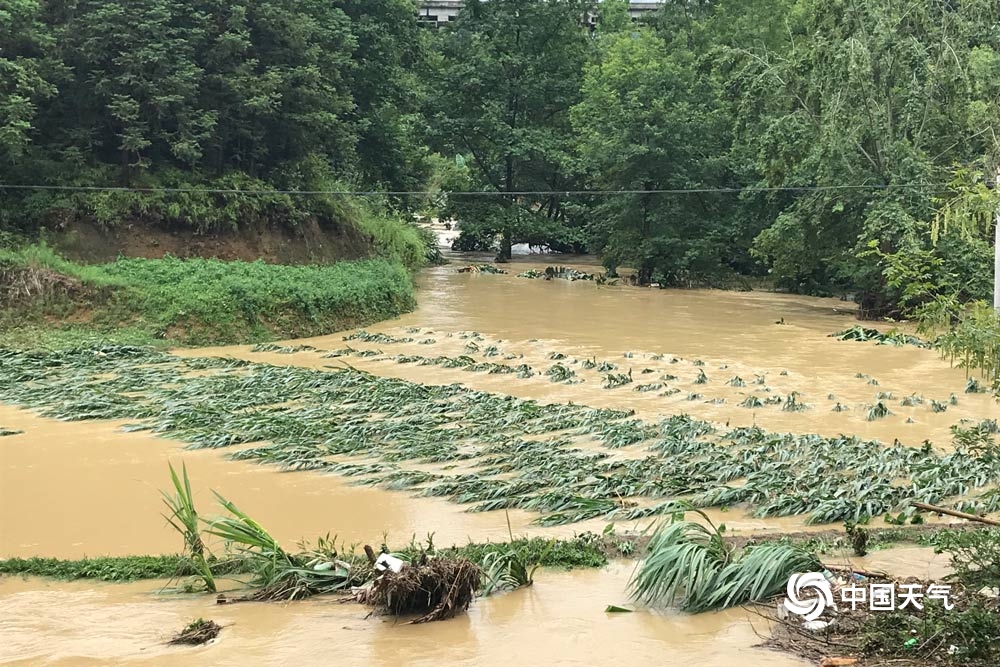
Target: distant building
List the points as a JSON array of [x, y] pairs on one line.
[[435, 13]]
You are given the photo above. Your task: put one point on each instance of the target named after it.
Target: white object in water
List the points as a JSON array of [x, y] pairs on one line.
[[387, 562]]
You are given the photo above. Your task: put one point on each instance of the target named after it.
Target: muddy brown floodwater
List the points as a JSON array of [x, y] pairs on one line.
[[86, 488], [558, 621]]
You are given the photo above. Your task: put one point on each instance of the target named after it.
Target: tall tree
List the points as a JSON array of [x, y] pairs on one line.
[[508, 73], [25, 70], [868, 94], [389, 91]]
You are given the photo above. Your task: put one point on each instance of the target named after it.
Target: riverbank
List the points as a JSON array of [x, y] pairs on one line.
[[584, 550], [48, 300]]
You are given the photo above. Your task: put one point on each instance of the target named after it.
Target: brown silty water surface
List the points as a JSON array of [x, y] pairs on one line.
[[85, 488], [558, 621]]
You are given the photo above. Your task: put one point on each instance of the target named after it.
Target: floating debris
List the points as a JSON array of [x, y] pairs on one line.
[[891, 337], [197, 633], [438, 589], [557, 272], [269, 347], [377, 338], [481, 268]]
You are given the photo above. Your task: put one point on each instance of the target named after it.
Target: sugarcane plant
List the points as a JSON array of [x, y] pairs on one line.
[[184, 519]]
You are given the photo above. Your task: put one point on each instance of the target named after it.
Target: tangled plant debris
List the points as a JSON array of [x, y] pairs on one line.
[[197, 632]]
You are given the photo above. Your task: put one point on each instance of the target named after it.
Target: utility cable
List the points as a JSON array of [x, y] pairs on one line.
[[476, 193]]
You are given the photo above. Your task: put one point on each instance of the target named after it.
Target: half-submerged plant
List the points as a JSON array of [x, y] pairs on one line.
[[613, 380], [690, 566], [792, 403], [560, 373], [278, 574], [877, 411], [184, 519], [511, 569]]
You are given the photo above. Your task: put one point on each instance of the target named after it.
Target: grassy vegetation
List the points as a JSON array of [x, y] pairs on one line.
[[572, 553], [194, 301], [184, 519], [118, 569]]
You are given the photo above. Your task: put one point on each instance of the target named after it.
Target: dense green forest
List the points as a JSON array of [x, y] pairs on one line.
[[823, 140]]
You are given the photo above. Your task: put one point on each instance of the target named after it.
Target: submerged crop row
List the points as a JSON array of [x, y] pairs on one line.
[[490, 451]]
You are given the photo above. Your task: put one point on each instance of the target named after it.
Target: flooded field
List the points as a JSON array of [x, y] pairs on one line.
[[786, 339], [74, 488]]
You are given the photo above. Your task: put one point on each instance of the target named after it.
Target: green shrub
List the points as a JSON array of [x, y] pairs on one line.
[[975, 555]]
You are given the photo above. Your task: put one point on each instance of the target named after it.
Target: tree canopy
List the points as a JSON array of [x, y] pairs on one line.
[[814, 143]]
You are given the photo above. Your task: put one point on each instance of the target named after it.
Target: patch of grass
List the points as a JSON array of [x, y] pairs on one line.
[[119, 569], [196, 301], [72, 336], [578, 552]]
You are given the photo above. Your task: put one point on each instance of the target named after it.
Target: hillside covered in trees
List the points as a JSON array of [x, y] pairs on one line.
[[815, 143]]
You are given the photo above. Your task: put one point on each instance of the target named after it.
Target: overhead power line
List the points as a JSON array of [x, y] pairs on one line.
[[477, 193]]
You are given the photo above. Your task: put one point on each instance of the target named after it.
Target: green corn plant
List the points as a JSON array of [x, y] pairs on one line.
[[252, 542], [683, 565], [511, 569], [184, 519]]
